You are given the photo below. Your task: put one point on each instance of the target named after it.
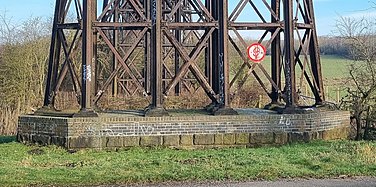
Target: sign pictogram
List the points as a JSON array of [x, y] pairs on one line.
[[256, 52]]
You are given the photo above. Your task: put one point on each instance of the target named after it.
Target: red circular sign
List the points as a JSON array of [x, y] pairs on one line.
[[256, 52]]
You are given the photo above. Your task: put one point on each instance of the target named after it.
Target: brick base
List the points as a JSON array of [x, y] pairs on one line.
[[250, 128]]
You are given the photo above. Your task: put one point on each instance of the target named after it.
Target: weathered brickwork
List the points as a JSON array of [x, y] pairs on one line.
[[184, 131]]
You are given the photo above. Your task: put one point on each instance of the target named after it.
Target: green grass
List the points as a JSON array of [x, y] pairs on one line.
[[335, 72], [334, 67], [22, 165]]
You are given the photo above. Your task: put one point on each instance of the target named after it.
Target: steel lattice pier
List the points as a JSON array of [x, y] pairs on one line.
[[158, 48]]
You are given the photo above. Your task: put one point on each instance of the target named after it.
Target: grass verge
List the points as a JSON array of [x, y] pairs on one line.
[[22, 165]]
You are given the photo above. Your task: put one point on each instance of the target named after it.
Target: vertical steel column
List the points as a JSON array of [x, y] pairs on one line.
[[290, 86], [223, 54], [223, 64], [208, 49], [177, 56], [214, 47], [54, 56], [276, 53], [213, 58], [94, 86], [156, 107], [115, 41], [147, 51], [315, 58], [87, 58], [156, 58]]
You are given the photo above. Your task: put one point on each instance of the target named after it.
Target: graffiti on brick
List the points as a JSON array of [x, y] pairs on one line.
[[90, 131], [284, 123], [45, 128], [135, 129]]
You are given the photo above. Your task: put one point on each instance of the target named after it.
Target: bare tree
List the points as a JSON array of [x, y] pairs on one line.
[[360, 36], [6, 29], [23, 56]]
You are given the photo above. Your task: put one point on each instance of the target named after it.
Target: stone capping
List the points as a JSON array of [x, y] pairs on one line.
[[124, 131]]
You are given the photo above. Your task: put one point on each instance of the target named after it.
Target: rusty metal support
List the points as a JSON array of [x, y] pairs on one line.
[[178, 36], [54, 55], [115, 41], [208, 49], [88, 59], [154, 48], [156, 106], [214, 49], [276, 53], [95, 62], [147, 52], [315, 58], [290, 86], [223, 61]]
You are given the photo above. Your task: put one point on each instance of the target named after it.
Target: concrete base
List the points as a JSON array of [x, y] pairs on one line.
[[299, 110], [275, 106], [85, 113], [50, 111], [217, 110], [183, 128], [224, 111], [156, 112]]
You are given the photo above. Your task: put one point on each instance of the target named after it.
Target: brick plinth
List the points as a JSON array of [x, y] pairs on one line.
[[250, 128]]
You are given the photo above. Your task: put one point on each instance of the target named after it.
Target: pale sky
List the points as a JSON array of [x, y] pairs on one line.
[[327, 11]]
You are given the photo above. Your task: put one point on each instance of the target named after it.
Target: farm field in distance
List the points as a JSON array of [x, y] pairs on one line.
[[334, 70]]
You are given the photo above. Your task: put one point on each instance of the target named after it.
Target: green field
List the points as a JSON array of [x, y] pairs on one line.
[[334, 67], [22, 165], [334, 70]]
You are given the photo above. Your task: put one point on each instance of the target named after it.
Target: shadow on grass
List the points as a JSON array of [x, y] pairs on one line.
[[7, 139]]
